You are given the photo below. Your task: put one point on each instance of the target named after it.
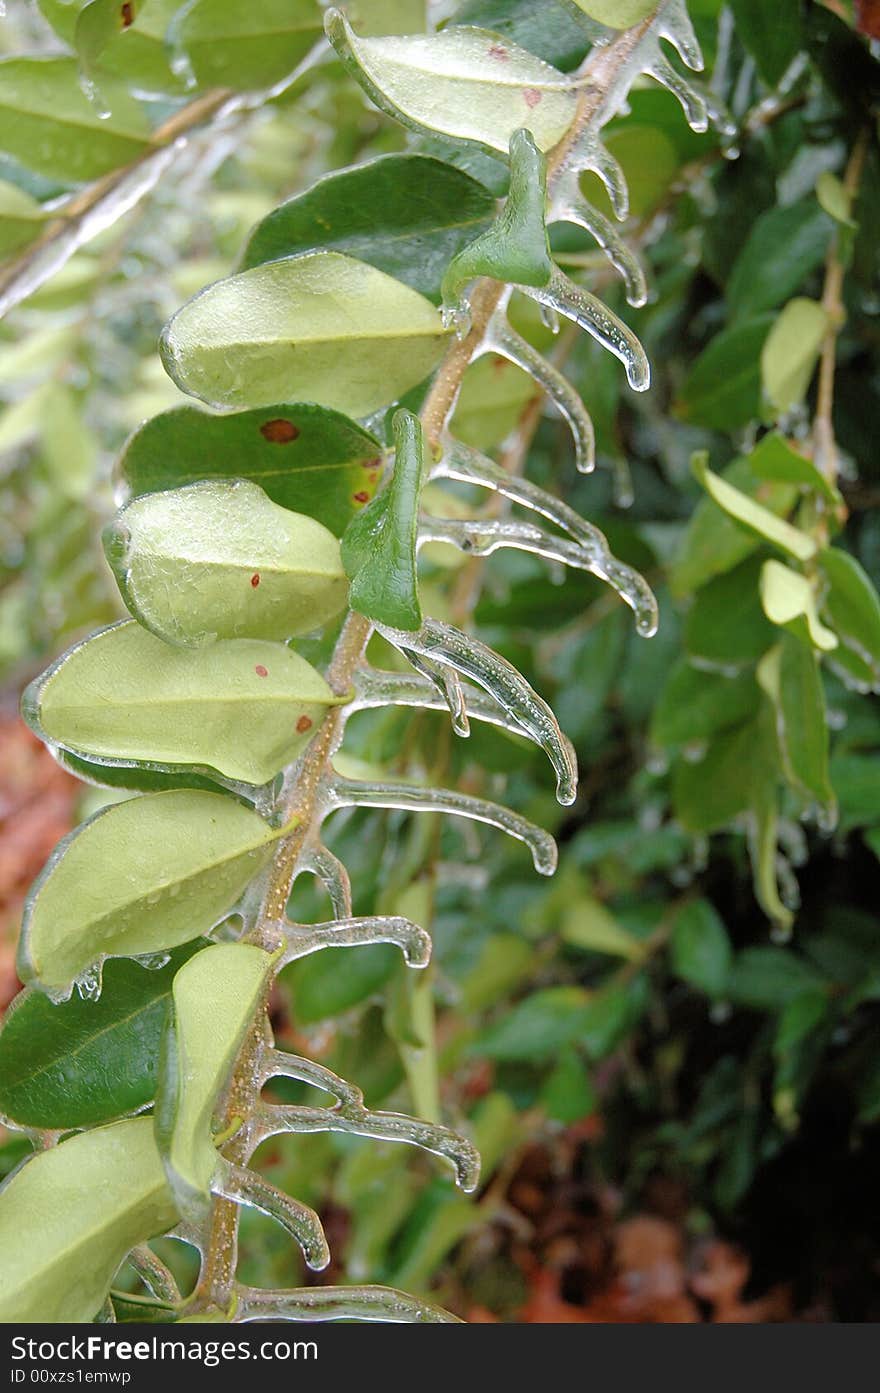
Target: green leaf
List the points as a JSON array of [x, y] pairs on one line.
[[789, 601], [726, 625], [852, 605], [408, 215], [767, 979], [617, 14], [215, 996], [462, 82], [138, 878], [790, 676], [611, 1014], [379, 547], [221, 560], [791, 352], [752, 515], [711, 793], [515, 247], [554, 31], [771, 34], [136, 54], [568, 1095], [854, 777], [493, 396], [699, 946], [723, 388], [21, 218], [97, 24], [79, 1063], [243, 708], [777, 460], [506, 960], [534, 1030], [589, 925], [835, 198], [322, 326], [50, 126], [305, 457], [694, 704], [335, 980], [763, 832], [785, 245], [83, 1206], [247, 47]]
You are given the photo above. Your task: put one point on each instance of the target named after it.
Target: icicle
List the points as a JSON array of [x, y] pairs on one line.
[[470, 657], [302, 1223], [303, 939], [692, 102], [591, 314], [569, 205], [332, 874], [375, 688], [501, 338], [448, 684], [381, 1126], [338, 1303], [155, 1276], [280, 1064], [89, 983], [349, 793], [674, 23], [460, 462], [602, 162]]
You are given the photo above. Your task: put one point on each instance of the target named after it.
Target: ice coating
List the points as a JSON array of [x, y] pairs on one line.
[[349, 793], [375, 687], [589, 313], [338, 1303], [302, 1223], [333, 876], [303, 939], [569, 205], [500, 679], [463, 463]]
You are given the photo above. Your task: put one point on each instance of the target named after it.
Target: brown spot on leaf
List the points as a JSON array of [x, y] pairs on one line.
[[280, 431], [372, 463], [868, 18], [126, 13], [303, 724], [255, 579], [532, 96], [500, 52], [261, 671], [361, 496]]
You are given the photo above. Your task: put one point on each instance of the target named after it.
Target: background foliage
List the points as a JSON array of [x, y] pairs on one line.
[[668, 1055]]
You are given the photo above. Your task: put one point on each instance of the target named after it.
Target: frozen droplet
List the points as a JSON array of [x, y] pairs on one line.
[[348, 793], [92, 92], [89, 983], [501, 338], [692, 102], [569, 205], [152, 961], [674, 24], [549, 318], [444, 644]]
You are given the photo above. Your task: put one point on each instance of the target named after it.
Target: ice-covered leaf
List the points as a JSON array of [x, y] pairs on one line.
[[515, 247], [379, 547], [138, 878], [21, 218], [321, 326], [81, 1062], [220, 560], [242, 707], [136, 53], [753, 516], [223, 43], [791, 351], [617, 14], [463, 82], [50, 126], [305, 457], [214, 999], [97, 23], [406, 214], [789, 600], [83, 1206]]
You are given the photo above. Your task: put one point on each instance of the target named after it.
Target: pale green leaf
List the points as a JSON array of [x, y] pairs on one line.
[[617, 14], [852, 605], [789, 600], [589, 925], [463, 82], [789, 674], [138, 878], [70, 1215], [752, 515], [243, 707], [214, 999], [834, 198], [791, 351], [776, 459], [320, 327], [221, 560]]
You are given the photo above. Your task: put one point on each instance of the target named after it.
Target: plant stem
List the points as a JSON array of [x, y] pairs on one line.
[[300, 795]]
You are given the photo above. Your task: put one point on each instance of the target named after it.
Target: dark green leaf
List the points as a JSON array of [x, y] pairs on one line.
[[700, 950], [726, 625], [694, 704], [785, 245], [723, 388], [770, 33], [767, 979]]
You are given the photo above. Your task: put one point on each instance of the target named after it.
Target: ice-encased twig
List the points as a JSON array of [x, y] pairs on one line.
[[467, 465], [589, 313], [570, 205], [377, 688], [501, 338], [444, 644], [332, 875], [155, 1276], [303, 939], [692, 101], [448, 684], [350, 793], [302, 1223], [601, 161], [350, 1115], [338, 1303], [674, 23]]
